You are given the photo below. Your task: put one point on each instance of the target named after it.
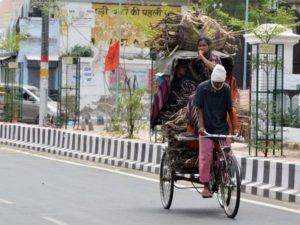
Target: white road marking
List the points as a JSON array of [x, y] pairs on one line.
[[271, 206], [6, 201], [143, 178], [55, 221]]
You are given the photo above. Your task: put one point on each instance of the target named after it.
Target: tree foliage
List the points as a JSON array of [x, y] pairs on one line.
[[130, 107], [260, 12], [11, 42], [82, 51], [267, 136]]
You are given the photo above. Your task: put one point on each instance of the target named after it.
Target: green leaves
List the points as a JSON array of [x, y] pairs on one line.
[[82, 51], [232, 23], [231, 13], [11, 42], [268, 135], [131, 110], [207, 6]]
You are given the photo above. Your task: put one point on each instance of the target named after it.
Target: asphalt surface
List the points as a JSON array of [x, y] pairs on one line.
[[41, 189]]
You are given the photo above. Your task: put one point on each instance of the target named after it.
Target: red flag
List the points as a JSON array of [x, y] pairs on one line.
[[112, 57]]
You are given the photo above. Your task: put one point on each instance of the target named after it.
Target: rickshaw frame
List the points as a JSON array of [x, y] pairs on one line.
[[224, 167]]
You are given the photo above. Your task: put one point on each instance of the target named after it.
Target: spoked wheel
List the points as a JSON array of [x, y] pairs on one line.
[[219, 197], [230, 187], [166, 181], [212, 183]]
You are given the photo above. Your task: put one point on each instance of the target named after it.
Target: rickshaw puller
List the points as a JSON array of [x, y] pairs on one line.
[[213, 102]]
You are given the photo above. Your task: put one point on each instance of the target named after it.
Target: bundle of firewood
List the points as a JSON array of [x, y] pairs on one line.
[[176, 124], [181, 32]]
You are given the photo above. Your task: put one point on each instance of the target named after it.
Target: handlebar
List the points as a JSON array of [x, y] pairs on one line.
[[220, 135]]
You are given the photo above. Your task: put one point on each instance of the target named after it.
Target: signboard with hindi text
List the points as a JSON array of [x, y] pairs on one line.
[[133, 19]]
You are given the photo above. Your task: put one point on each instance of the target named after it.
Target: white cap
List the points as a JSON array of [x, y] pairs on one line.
[[218, 74]]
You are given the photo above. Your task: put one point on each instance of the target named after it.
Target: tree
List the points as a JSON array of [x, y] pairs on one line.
[[260, 11], [82, 51], [11, 42], [130, 107]]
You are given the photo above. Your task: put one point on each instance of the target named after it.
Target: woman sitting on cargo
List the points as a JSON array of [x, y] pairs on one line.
[[202, 67], [182, 86], [180, 73]]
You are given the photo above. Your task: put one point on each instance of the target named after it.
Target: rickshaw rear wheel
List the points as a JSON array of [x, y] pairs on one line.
[[166, 181]]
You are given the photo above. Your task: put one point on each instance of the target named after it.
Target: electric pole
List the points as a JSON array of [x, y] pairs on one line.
[[44, 70]]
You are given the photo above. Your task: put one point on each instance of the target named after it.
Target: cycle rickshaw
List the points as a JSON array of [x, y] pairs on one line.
[[180, 158]]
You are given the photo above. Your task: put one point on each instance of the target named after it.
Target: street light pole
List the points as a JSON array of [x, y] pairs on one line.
[[245, 47], [44, 69]]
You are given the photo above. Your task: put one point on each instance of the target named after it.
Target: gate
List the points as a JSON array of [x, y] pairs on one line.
[[11, 93], [69, 92], [266, 107]]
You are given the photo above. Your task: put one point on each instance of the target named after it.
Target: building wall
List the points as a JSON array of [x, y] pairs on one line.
[[30, 50], [8, 10], [95, 22], [135, 22], [78, 30]]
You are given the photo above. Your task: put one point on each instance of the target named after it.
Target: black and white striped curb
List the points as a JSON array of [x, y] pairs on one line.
[[118, 152], [260, 176], [276, 179]]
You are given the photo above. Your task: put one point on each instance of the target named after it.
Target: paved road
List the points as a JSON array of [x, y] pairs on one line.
[[44, 190]]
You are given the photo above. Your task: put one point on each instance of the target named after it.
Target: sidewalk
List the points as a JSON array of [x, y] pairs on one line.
[[288, 155]]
